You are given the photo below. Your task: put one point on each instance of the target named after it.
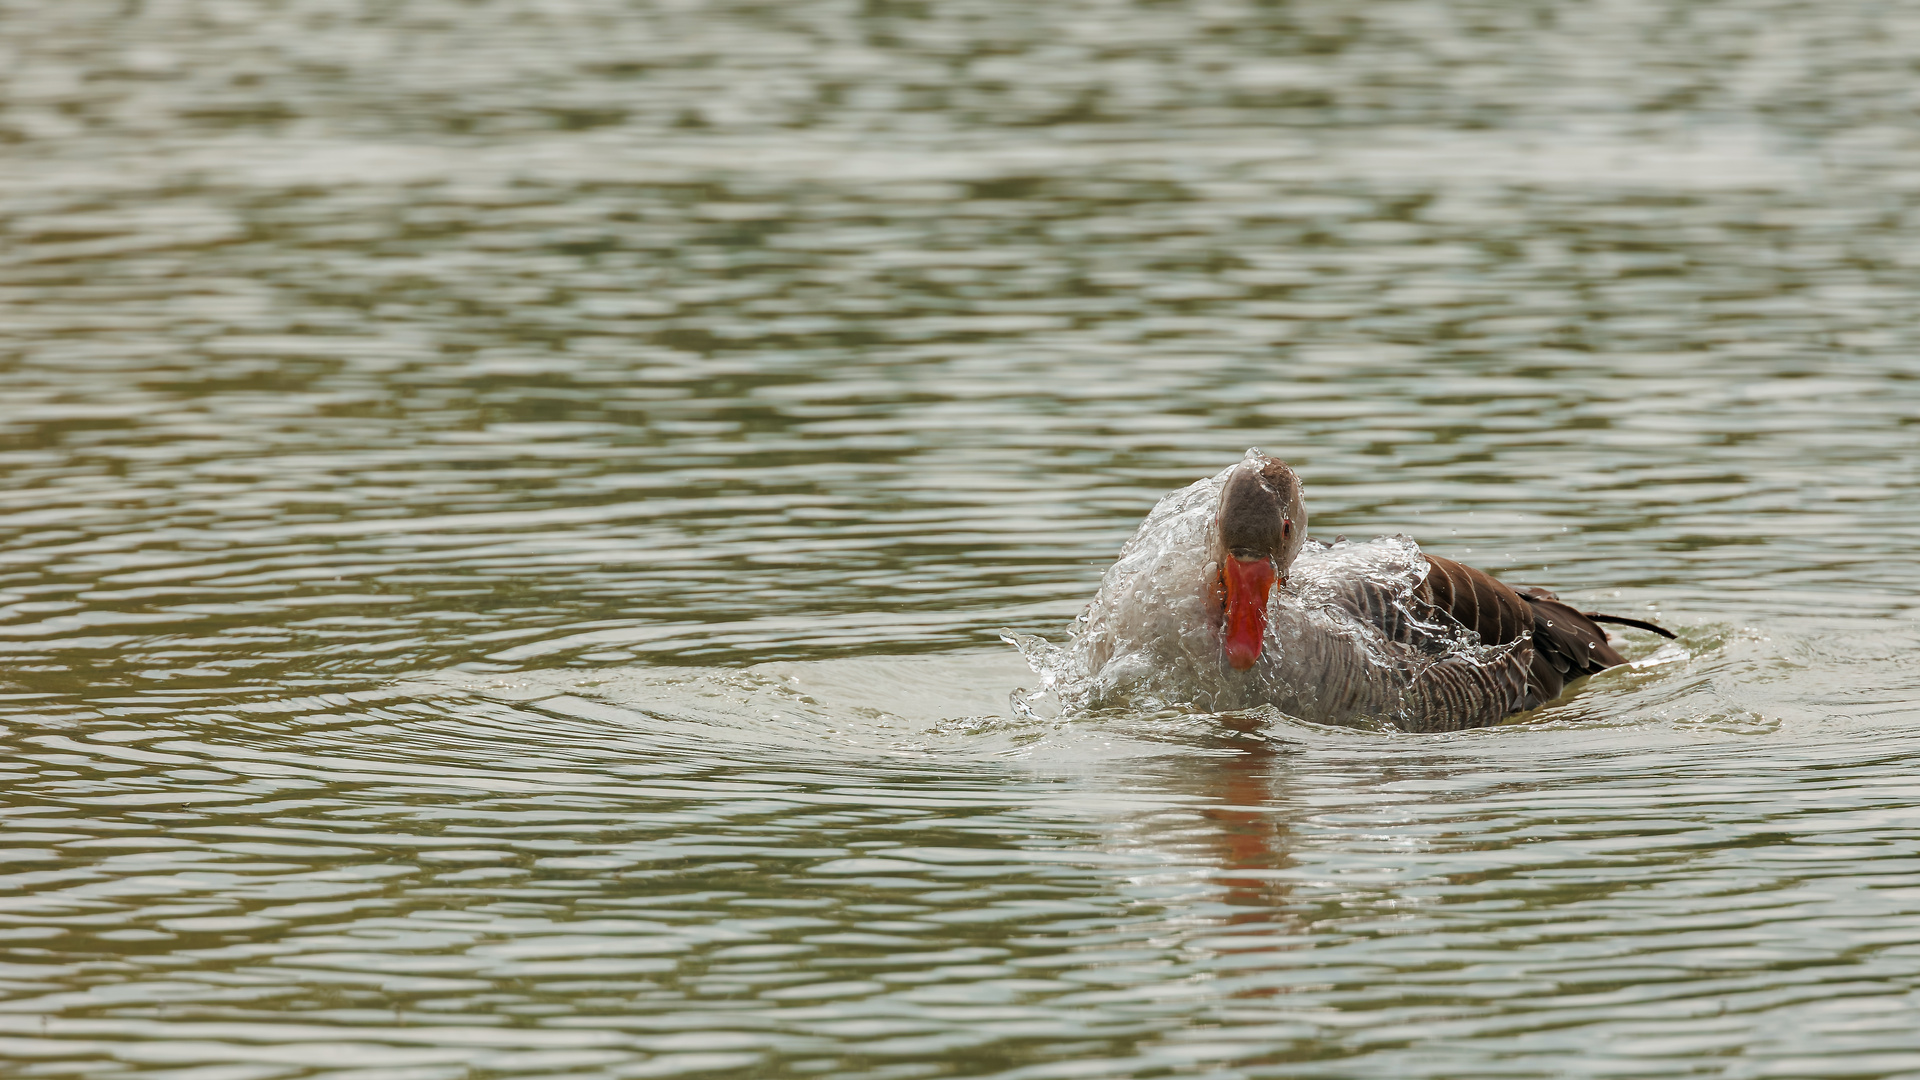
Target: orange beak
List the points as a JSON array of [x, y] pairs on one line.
[[1248, 584]]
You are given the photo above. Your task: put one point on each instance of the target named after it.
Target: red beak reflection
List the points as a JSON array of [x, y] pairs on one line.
[[1248, 584]]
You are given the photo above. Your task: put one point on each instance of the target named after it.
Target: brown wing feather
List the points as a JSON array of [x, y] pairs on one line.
[[1566, 644], [1474, 599], [1553, 645]]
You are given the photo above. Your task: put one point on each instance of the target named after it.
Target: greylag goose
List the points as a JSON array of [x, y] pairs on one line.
[[1220, 601]]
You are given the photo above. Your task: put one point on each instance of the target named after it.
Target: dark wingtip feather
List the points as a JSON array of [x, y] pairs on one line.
[[1624, 621]]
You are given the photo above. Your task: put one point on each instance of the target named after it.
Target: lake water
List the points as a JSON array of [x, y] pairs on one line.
[[510, 509]]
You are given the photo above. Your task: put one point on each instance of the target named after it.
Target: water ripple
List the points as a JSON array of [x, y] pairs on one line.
[[511, 512]]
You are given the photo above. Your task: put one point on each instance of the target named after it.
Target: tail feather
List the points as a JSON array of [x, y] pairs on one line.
[[1567, 645]]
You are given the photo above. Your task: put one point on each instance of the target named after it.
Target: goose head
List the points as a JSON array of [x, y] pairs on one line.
[[1258, 529]]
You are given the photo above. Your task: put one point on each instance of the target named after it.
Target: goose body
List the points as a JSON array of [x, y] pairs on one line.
[[1219, 601]]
